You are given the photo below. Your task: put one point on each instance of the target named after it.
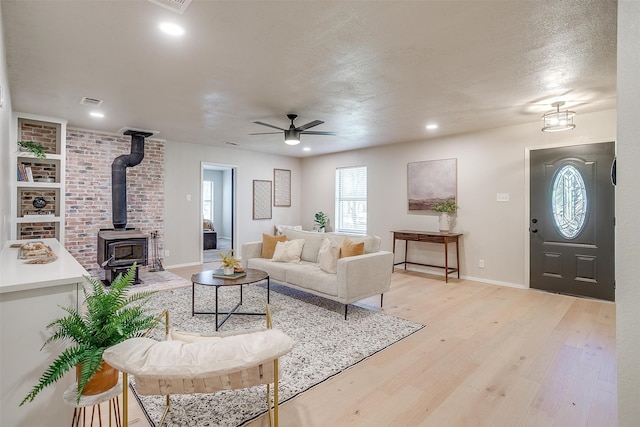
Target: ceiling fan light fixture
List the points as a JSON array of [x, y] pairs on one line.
[[291, 137], [556, 120]]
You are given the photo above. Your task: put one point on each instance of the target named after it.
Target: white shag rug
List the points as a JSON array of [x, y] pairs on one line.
[[325, 345]]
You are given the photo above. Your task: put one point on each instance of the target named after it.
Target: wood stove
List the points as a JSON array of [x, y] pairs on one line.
[[118, 250]]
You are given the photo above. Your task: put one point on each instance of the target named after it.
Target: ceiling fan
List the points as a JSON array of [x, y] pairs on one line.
[[292, 135]]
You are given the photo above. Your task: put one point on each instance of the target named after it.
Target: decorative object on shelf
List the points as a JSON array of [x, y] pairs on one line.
[[261, 199], [430, 182], [36, 252], [39, 202], [229, 263], [445, 208], [36, 149], [556, 120], [282, 187], [321, 219], [112, 315]]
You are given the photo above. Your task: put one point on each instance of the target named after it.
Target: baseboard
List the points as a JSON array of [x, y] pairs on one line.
[[440, 272], [189, 264]]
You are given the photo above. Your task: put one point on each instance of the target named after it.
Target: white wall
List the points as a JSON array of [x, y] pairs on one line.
[[6, 175], [182, 178], [627, 208], [489, 162]]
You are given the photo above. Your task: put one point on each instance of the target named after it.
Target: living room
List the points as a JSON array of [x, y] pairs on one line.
[[489, 161]]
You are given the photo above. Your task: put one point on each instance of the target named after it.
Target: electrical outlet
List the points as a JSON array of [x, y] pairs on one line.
[[502, 197], [166, 253], [481, 263]]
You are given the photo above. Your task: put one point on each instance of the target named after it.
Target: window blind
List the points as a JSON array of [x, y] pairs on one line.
[[351, 199]]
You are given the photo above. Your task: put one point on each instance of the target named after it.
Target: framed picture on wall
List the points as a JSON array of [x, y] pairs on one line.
[[430, 183], [261, 199], [282, 187]]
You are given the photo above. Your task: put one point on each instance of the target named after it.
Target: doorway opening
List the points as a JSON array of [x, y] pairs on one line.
[[217, 211]]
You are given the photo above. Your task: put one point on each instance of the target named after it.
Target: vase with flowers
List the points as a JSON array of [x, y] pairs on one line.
[[229, 263], [445, 208]]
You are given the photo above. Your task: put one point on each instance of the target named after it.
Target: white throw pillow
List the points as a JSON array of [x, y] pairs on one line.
[[328, 256], [288, 251]]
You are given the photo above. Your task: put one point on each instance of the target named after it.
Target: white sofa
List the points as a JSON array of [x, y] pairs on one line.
[[356, 277]]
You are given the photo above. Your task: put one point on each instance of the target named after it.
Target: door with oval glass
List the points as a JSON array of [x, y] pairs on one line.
[[572, 220]]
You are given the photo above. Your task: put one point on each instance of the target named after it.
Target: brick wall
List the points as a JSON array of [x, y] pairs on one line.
[[88, 192]]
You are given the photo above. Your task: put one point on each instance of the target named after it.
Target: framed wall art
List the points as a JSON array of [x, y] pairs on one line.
[[282, 187], [431, 182], [261, 199]]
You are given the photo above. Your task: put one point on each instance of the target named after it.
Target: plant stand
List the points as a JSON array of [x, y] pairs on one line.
[[80, 408]]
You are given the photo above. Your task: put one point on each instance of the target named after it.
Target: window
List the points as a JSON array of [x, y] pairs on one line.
[[207, 200], [351, 199], [569, 201]]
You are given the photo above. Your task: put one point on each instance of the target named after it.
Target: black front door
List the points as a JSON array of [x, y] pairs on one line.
[[572, 220]]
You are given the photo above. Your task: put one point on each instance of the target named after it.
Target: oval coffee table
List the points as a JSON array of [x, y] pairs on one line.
[[205, 278]]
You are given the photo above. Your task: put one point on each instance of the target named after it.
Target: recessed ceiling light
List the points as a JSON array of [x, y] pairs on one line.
[[171, 29], [432, 126], [96, 114], [306, 149]]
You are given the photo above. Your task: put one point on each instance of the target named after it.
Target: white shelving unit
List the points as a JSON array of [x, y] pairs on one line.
[[28, 221]]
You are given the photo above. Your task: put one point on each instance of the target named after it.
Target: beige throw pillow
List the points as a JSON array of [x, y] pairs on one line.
[[350, 248], [328, 256], [269, 244], [288, 251]]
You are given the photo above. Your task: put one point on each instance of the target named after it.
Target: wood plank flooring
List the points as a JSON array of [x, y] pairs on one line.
[[489, 356]]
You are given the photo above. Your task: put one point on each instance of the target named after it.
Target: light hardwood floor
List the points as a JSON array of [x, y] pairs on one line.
[[489, 356]]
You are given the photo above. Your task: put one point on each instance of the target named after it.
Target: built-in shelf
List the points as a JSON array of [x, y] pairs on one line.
[[51, 133]]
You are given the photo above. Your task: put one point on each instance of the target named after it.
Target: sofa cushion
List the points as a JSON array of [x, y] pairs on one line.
[[371, 242], [328, 256], [279, 229], [275, 270], [288, 251], [350, 248], [309, 276], [312, 242], [269, 244]]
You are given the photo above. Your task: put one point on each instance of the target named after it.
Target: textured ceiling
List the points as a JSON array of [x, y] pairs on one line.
[[374, 72]]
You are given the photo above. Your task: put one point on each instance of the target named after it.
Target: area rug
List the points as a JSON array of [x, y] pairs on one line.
[[325, 345]]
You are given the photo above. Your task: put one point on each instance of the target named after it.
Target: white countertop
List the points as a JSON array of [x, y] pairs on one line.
[[15, 275]]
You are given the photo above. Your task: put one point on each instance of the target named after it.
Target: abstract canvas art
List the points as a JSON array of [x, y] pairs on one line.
[[431, 182]]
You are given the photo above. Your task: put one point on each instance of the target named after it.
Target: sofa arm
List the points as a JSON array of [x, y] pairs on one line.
[[364, 275], [250, 250]]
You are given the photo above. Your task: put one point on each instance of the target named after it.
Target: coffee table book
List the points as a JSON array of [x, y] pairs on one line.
[[219, 274]]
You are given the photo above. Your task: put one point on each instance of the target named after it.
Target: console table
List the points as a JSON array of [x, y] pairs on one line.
[[429, 237]]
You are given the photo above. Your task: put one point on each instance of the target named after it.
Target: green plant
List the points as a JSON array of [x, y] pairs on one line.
[[448, 206], [321, 219], [110, 318], [228, 260], [36, 149]]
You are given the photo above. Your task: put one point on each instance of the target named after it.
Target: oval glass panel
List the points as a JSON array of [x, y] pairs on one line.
[[569, 201]]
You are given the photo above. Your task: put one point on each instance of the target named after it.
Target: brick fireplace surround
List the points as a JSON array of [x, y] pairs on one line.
[[88, 191]]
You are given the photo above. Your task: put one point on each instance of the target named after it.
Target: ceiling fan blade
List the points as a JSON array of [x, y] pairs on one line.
[[313, 132], [268, 125], [310, 125], [266, 133]]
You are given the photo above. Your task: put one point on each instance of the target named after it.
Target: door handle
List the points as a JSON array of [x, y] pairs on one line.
[[533, 230]]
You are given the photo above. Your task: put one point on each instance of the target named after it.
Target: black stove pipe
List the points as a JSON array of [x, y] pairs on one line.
[[119, 177]]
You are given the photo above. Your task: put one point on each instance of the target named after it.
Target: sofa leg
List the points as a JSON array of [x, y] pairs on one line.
[[381, 297], [345, 311]]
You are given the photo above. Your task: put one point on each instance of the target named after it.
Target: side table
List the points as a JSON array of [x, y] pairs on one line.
[[80, 408]]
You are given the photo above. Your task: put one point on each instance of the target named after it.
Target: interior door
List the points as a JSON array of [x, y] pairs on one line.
[[572, 220]]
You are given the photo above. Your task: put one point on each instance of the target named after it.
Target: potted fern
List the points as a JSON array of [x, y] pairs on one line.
[[111, 316]]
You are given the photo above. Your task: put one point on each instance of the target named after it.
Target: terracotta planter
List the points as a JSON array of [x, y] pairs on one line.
[[103, 380]]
